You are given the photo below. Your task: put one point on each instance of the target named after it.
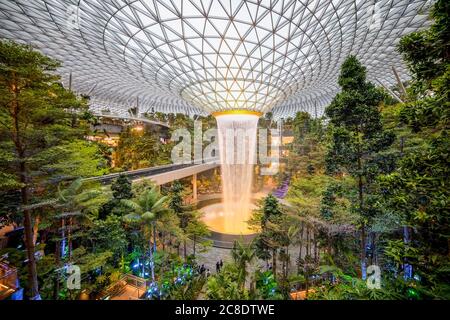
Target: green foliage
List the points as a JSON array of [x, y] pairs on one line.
[[270, 209], [198, 231], [137, 149], [90, 261], [37, 115], [190, 291], [349, 288], [121, 189], [176, 198], [418, 191], [356, 130], [306, 151], [225, 285], [335, 202], [78, 198], [426, 52], [42, 127], [189, 219], [357, 143], [108, 235], [147, 207], [73, 160], [242, 254], [266, 285]]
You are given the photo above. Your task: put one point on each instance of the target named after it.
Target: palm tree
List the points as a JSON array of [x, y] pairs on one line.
[[73, 202], [197, 230], [242, 254], [148, 208]]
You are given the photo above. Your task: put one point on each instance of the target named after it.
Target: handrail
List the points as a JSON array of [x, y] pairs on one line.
[[139, 284], [154, 170], [131, 118], [8, 280]]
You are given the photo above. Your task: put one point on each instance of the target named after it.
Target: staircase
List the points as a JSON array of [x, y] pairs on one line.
[[282, 190]]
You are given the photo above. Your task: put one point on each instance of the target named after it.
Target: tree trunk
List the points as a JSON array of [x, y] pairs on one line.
[[28, 231], [154, 237], [329, 247], [37, 220], [361, 208], [56, 287], [69, 238], [363, 227], [58, 252], [63, 237], [316, 256], [274, 263], [23, 177], [363, 252], [287, 261], [307, 241], [300, 248], [32, 272], [195, 240], [185, 250], [407, 268], [152, 265]]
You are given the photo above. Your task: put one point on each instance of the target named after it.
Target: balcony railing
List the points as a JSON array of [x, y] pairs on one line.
[[8, 281]]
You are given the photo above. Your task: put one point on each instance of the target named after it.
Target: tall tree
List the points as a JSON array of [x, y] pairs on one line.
[[121, 189], [73, 204], [198, 231], [306, 154], [271, 238], [357, 137], [242, 254], [36, 113], [147, 209], [140, 149], [184, 212], [418, 191]]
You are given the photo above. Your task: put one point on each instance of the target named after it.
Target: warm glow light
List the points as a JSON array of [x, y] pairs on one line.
[[236, 112], [138, 128], [237, 145], [215, 218]]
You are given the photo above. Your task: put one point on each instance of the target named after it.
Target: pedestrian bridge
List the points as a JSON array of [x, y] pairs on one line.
[[161, 174]]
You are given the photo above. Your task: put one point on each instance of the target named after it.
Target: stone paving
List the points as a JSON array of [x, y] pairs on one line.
[[213, 254]]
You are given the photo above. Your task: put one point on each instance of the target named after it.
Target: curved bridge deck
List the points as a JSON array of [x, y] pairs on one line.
[[161, 174]]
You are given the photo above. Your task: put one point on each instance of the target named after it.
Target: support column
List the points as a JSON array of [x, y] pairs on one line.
[[194, 187]]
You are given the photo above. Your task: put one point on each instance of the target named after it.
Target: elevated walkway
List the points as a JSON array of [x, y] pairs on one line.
[[128, 287], [8, 281], [161, 174]]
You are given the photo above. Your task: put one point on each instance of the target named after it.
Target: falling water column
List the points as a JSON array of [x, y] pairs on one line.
[[237, 146]]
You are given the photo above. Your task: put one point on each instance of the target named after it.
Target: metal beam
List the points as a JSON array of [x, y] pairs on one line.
[[390, 91]]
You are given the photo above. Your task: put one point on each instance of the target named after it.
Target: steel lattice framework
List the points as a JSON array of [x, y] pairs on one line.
[[209, 55]]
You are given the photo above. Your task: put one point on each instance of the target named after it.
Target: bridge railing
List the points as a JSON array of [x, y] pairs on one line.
[[149, 171], [8, 280]]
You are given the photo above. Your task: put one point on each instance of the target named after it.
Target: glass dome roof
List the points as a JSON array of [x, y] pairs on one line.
[[213, 55]]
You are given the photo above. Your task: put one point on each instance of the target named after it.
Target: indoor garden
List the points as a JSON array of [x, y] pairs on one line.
[[224, 150]]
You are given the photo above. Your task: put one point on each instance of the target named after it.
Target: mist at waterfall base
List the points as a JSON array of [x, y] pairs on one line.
[[237, 146]]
